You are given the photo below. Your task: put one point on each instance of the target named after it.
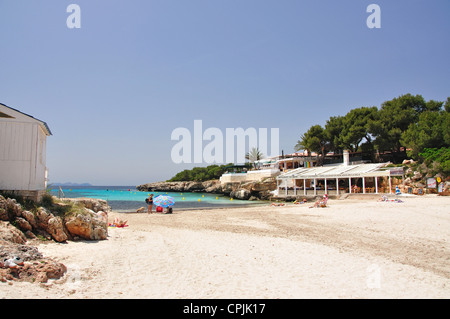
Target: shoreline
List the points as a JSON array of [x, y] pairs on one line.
[[352, 249], [279, 200], [218, 207]]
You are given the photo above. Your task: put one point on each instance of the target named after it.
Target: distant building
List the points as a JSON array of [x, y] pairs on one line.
[[339, 178], [23, 144]]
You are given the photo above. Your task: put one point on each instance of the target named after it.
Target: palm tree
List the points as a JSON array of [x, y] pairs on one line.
[[302, 144], [254, 155]]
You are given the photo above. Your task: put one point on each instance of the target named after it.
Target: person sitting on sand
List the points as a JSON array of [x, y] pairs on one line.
[[323, 203], [320, 202], [169, 210]]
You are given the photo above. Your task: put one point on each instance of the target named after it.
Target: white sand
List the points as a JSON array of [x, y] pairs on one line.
[[352, 249]]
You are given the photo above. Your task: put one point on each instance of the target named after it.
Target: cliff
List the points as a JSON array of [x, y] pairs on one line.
[[245, 190]]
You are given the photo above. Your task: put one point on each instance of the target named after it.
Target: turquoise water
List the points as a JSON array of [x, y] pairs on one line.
[[128, 199]]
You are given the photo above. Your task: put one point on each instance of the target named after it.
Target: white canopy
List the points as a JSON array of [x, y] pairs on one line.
[[341, 171], [337, 172]]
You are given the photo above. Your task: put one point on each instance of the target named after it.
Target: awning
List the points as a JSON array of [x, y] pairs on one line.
[[342, 171]]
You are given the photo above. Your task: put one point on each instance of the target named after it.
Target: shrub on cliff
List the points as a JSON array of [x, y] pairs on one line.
[[200, 174], [440, 156]]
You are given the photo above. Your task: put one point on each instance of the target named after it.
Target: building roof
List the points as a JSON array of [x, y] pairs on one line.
[[341, 171], [42, 123]]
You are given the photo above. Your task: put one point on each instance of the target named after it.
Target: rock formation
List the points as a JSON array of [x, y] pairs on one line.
[[87, 226], [88, 221], [245, 190]]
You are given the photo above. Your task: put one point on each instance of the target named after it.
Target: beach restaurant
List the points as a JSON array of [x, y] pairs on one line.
[[337, 179]]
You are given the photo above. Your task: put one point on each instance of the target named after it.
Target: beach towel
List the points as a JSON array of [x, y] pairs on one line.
[[385, 199], [118, 226]]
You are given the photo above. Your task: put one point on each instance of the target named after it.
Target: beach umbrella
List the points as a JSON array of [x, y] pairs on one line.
[[164, 201]]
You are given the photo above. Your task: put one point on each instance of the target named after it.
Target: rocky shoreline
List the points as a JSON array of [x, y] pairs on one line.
[[19, 227], [245, 190]]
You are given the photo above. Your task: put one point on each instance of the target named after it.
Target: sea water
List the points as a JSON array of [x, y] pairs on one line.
[[129, 199]]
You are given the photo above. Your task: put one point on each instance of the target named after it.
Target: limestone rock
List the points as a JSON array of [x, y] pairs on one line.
[[93, 204], [42, 217], [241, 194], [87, 225], [11, 233], [9, 208], [228, 188], [22, 224], [29, 217], [408, 161], [212, 187], [26, 252], [3, 209], [14, 208], [260, 190], [103, 215], [55, 228], [3, 214], [269, 184], [417, 176], [38, 271], [194, 187]]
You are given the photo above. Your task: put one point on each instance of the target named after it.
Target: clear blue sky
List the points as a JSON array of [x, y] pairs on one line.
[[113, 91]]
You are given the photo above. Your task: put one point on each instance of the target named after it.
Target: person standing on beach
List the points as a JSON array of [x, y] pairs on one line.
[[150, 203]]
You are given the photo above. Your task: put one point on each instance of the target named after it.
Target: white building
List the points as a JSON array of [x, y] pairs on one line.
[[23, 144], [336, 179]]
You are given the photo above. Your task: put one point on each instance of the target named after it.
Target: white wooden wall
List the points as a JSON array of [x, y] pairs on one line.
[[22, 155]]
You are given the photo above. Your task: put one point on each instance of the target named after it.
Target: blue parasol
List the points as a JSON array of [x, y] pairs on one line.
[[164, 201]]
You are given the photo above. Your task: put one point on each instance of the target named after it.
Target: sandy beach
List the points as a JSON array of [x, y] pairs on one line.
[[352, 249]]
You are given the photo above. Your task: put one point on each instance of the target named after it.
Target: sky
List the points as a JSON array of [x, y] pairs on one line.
[[114, 90]]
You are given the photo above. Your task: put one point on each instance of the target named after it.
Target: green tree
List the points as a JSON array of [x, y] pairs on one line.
[[447, 105], [427, 132], [302, 144], [314, 140], [254, 155], [394, 118], [446, 127], [440, 156], [433, 106], [200, 174], [333, 130], [356, 127]]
